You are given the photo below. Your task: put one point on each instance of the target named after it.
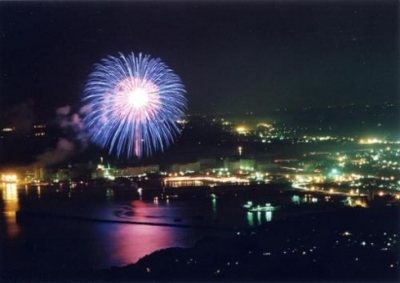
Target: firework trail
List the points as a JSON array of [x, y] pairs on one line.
[[132, 104]]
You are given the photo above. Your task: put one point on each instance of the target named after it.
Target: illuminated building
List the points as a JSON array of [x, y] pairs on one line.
[[39, 130], [6, 132], [184, 167], [137, 170], [239, 164]]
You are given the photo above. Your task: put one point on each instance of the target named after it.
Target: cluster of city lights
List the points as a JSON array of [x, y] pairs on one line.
[[232, 179], [9, 178]]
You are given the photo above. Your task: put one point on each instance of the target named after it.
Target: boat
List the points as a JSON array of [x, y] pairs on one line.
[[252, 208], [248, 205]]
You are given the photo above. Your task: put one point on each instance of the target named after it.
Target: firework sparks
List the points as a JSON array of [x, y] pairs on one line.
[[132, 105]]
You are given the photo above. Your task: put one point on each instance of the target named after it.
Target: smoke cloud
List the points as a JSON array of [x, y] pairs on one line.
[[63, 150], [63, 111], [76, 139]]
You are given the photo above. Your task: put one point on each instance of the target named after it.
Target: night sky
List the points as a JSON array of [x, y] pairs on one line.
[[231, 56]]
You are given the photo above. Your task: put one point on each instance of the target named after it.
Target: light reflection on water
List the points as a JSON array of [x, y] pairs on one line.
[[261, 218], [83, 244], [268, 216], [250, 218], [100, 245], [128, 243], [10, 200]]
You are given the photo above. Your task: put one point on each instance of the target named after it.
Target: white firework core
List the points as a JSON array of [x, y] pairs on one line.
[[138, 97]]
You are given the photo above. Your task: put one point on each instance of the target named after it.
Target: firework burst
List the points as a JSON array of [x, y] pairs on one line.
[[132, 105]]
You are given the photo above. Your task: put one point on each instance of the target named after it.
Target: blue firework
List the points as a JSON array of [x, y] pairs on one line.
[[132, 105]]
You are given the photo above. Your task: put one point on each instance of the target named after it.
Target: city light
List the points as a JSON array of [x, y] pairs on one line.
[[9, 178], [370, 141], [242, 130]]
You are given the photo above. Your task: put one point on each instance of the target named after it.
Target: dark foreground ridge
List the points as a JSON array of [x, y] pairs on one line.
[[351, 244]]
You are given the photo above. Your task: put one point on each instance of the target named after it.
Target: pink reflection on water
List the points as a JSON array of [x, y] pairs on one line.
[[127, 243], [131, 242]]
